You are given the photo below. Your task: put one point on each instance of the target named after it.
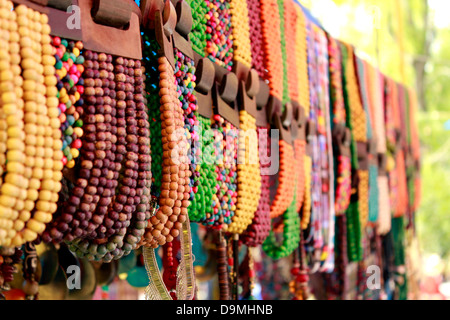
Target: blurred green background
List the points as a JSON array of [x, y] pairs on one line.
[[409, 40]]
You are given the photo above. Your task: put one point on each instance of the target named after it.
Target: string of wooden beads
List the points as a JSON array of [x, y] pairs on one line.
[[198, 32], [124, 223], [286, 181], [175, 190], [241, 33], [225, 142], [248, 175], [270, 20], [11, 123], [185, 79], [304, 100], [219, 39], [35, 118], [46, 205], [256, 41], [291, 234], [42, 145], [76, 219], [299, 151], [258, 231], [69, 68], [201, 207]]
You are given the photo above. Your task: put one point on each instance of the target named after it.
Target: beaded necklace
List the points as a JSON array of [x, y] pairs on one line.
[[126, 216], [292, 77], [304, 100], [356, 120], [173, 190], [198, 33], [201, 207], [219, 42], [69, 68], [33, 171], [248, 169], [225, 151], [258, 231], [185, 78], [270, 22], [241, 32], [255, 35], [291, 235]]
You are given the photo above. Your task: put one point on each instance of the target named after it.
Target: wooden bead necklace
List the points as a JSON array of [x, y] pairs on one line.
[[291, 234], [270, 21], [290, 17], [77, 214], [240, 32], [202, 208], [198, 33], [304, 100], [219, 42], [174, 190], [185, 78], [258, 231], [69, 68], [255, 34], [128, 211], [248, 176], [34, 163], [225, 151], [11, 125]]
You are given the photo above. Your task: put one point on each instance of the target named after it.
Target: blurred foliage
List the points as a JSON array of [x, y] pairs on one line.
[[372, 27]]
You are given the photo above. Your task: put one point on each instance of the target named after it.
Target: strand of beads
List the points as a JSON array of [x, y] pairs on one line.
[[11, 122], [69, 68], [46, 204], [241, 32], [291, 235], [202, 207], [219, 40], [225, 142], [42, 126], [248, 175], [270, 21], [258, 231], [175, 191], [255, 35], [198, 33], [123, 226], [286, 181], [77, 211], [185, 78]]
